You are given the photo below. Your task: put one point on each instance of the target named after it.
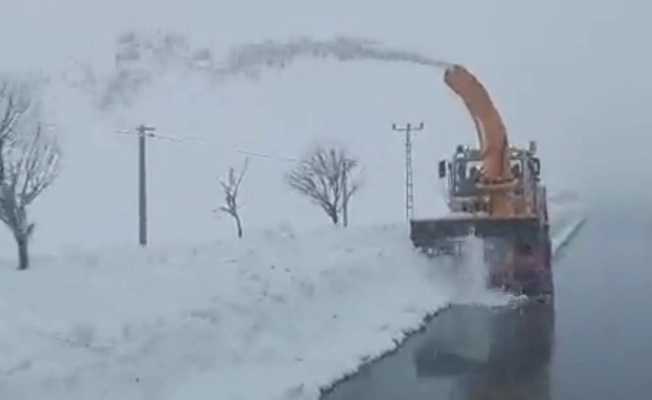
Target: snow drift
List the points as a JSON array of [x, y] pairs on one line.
[[277, 315]]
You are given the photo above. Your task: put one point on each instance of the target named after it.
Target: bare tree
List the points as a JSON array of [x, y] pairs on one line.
[[324, 176], [231, 187], [29, 161]]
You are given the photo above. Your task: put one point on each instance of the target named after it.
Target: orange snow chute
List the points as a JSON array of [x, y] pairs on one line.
[[492, 134], [495, 176]]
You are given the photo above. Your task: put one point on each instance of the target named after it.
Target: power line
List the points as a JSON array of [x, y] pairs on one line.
[[163, 137], [269, 156], [198, 139]]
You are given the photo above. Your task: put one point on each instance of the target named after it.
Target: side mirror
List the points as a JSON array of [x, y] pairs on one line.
[[442, 168]]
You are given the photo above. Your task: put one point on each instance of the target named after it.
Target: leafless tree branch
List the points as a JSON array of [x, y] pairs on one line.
[[231, 188], [29, 163], [324, 176]]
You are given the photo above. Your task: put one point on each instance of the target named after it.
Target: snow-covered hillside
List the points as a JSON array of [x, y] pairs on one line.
[[277, 315], [269, 98], [554, 69], [551, 85], [280, 114]]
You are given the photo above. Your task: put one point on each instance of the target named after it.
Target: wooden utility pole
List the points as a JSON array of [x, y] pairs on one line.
[[409, 184]]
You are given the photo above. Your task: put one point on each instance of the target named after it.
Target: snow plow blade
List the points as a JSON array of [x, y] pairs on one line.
[[517, 250]]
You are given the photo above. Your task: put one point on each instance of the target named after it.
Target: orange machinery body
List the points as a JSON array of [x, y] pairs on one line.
[[494, 193]]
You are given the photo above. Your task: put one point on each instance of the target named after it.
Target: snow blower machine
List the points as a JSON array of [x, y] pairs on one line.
[[494, 193]]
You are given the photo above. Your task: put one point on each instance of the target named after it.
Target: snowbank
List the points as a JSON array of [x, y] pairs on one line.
[[273, 316]]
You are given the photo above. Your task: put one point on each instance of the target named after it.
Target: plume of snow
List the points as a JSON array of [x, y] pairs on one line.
[[251, 58], [140, 58]]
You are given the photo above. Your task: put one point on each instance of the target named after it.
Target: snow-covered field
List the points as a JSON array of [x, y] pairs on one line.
[[274, 316]]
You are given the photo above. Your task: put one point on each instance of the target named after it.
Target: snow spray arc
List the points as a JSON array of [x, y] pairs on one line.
[[140, 58], [251, 58]]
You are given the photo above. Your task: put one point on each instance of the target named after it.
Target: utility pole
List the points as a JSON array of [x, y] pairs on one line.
[[409, 184], [143, 131], [345, 199]]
